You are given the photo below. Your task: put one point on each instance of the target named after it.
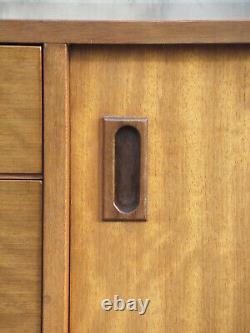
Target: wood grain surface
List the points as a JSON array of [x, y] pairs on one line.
[[125, 32], [56, 190], [20, 109], [191, 258], [20, 256]]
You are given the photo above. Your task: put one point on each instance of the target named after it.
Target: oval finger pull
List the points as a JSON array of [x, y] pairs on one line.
[[125, 158], [127, 169]]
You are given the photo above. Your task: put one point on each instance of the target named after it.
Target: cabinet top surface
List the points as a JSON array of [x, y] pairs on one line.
[[125, 21], [125, 10]]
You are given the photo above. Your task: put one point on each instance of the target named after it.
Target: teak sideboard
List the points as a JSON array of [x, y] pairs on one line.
[[124, 170]]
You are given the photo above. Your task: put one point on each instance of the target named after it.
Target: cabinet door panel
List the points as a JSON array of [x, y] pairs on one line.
[[20, 256], [191, 258], [20, 109]]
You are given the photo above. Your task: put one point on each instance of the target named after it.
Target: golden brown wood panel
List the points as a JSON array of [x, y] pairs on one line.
[[20, 256], [20, 109], [192, 256], [125, 32], [56, 190]]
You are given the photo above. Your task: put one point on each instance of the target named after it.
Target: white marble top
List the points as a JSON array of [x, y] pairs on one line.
[[125, 10]]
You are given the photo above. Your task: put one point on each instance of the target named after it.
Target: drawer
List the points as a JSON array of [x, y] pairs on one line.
[[20, 256], [20, 109]]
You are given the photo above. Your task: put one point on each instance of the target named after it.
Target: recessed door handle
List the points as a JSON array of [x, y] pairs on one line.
[[125, 169]]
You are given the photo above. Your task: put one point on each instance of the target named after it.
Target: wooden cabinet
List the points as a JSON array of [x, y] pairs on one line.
[[188, 251], [191, 256]]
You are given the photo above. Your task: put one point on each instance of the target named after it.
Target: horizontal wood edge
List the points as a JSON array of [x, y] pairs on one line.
[[20, 176], [125, 32], [22, 181]]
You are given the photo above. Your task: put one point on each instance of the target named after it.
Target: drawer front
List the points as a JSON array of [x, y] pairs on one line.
[[20, 256], [20, 109], [191, 257]]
